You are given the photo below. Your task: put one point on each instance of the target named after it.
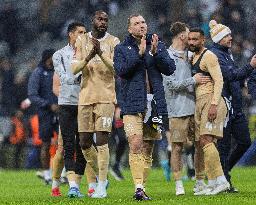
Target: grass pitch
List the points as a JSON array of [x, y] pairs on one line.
[[23, 187]]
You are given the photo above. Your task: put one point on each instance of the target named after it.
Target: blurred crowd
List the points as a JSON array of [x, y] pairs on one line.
[[30, 26]]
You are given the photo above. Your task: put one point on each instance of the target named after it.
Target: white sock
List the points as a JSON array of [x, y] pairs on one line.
[[55, 183], [102, 183], [139, 186], [221, 179], [63, 173], [47, 174], [73, 184], [92, 185], [179, 183], [211, 182], [200, 181]]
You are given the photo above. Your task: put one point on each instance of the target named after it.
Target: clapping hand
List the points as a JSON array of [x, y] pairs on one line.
[[154, 44], [142, 46], [96, 46]]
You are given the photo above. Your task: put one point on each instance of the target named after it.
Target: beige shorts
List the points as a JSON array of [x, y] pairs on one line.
[[202, 124], [182, 129], [96, 117], [133, 125]]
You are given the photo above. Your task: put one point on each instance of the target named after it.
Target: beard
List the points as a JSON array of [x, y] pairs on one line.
[[193, 48]]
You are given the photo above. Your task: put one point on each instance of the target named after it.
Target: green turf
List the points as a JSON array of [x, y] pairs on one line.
[[23, 187]]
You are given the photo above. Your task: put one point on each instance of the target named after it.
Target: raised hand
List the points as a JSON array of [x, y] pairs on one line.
[[154, 44], [91, 55], [96, 45], [81, 41], [142, 46], [212, 113]]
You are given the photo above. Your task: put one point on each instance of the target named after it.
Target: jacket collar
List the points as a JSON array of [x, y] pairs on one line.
[[45, 68], [131, 40], [220, 47]]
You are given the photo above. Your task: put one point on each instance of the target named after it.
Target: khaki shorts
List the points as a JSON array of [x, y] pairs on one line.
[[96, 117], [182, 129], [133, 125], [202, 125]]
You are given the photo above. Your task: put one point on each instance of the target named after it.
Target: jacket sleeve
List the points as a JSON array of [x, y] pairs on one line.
[[252, 85], [172, 84], [164, 63], [66, 77], [33, 90], [126, 64], [231, 73]]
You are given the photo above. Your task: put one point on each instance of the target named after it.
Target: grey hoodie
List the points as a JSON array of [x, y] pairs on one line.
[[179, 87]]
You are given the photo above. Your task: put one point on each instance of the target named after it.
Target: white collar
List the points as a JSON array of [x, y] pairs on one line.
[[69, 46], [100, 39]]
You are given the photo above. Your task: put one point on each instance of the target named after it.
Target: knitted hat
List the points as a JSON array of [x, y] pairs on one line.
[[218, 31]]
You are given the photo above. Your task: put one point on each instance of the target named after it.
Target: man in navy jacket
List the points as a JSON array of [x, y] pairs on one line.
[[237, 126], [41, 95], [140, 60]]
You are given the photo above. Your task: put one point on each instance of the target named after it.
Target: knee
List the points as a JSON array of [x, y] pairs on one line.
[[86, 140], [85, 144], [177, 148], [204, 140], [102, 138], [135, 148], [136, 145]]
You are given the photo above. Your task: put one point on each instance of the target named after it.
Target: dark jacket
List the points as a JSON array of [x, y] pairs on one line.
[[118, 89], [252, 85], [40, 88], [7, 87], [131, 67], [232, 76]]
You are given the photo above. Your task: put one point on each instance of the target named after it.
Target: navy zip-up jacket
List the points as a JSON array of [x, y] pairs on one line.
[[131, 67], [232, 76], [118, 89], [252, 84], [40, 88]]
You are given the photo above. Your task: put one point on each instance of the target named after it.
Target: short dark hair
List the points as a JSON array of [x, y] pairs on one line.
[[98, 12], [197, 30], [177, 28], [72, 26], [46, 54], [130, 17]]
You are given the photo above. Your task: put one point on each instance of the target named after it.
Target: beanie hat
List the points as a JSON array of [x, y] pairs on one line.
[[218, 31]]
